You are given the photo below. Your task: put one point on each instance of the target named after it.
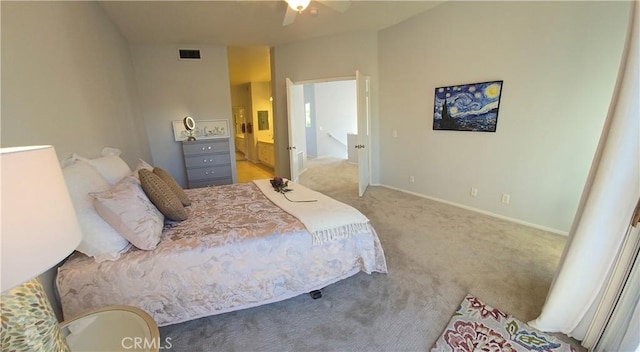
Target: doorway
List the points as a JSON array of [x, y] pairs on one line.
[[251, 99], [329, 130]]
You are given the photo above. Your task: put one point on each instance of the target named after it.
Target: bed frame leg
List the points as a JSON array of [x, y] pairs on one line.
[[315, 294]]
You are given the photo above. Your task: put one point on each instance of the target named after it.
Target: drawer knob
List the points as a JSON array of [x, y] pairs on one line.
[[202, 148], [209, 172], [209, 148], [210, 160], [204, 161]]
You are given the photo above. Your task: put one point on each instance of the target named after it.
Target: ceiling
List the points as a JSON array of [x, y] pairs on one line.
[[243, 24]]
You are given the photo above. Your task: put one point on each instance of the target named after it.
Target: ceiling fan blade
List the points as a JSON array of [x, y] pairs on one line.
[[340, 6], [289, 16]]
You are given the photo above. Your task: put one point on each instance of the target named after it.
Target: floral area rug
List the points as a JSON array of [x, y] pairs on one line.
[[476, 326]]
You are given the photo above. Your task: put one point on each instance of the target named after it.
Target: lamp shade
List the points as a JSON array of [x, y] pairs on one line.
[[38, 224]]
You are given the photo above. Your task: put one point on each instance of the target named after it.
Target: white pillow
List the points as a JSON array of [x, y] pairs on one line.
[[128, 209], [99, 239], [141, 165], [111, 167], [110, 151]]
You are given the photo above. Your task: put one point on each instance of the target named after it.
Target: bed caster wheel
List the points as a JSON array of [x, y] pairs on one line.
[[315, 294]]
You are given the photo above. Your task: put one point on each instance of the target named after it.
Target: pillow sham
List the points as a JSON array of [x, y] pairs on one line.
[[141, 165], [128, 210], [99, 239], [175, 187], [111, 167], [162, 196]]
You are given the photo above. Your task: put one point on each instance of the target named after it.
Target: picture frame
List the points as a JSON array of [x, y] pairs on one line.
[[467, 107], [204, 129], [263, 120]]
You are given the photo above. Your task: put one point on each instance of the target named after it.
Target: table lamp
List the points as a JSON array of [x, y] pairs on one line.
[[38, 229]]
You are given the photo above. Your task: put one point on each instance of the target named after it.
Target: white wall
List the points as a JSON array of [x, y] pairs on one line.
[[171, 89], [67, 80], [559, 62], [336, 114], [327, 57]]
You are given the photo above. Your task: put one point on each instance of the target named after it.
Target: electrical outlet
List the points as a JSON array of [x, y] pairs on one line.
[[474, 192], [412, 179], [505, 198]]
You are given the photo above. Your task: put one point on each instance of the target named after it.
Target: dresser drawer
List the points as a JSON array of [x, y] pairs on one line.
[[209, 172], [205, 147], [213, 182], [206, 160]]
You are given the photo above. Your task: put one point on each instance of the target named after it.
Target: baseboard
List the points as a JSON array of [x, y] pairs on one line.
[[498, 216]]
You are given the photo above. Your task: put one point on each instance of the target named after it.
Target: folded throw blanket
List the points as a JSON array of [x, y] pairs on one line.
[[325, 218]]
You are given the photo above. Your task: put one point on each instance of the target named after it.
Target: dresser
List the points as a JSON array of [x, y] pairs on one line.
[[207, 162]]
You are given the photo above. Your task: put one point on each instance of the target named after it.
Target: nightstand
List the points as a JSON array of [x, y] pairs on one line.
[[115, 328]]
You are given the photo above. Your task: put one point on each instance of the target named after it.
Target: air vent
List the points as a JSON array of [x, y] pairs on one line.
[[189, 54]]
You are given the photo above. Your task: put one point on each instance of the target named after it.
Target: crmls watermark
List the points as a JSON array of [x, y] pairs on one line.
[[146, 343]]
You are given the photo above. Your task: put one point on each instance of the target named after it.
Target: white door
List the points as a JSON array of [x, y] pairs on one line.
[[364, 111], [616, 326], [295, 112]]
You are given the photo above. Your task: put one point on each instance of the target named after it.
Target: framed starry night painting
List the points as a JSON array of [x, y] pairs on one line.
[[467, 107]]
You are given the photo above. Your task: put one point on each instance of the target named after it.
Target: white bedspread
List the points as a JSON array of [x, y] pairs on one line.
[[325, 218], [237, 250]]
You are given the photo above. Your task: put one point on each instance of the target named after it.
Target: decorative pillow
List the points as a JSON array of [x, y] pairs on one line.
[[99, 239], [127, 209], [111, 167], [162, 196], [175, 187]]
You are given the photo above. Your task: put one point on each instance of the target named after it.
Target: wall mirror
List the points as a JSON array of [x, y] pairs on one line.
[[238, 120], [263, 120]]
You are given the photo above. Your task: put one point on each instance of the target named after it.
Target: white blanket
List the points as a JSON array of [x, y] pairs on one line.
[[324, 217]]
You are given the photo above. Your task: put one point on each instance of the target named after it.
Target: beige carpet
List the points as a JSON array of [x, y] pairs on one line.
[[436, 254]]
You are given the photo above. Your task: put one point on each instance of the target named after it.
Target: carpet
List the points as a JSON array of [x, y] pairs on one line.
[[476, 326], [436, 254]]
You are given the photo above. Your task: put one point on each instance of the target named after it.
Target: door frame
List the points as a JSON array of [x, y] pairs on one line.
[[335, 79]]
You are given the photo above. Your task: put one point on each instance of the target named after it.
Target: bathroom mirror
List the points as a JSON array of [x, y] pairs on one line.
[[263, 120], [238, 121]]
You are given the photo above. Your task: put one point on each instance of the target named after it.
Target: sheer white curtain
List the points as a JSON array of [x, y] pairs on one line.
[[606, 207]]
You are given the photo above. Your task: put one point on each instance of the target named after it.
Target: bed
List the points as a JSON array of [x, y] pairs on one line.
[[242, 245]]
